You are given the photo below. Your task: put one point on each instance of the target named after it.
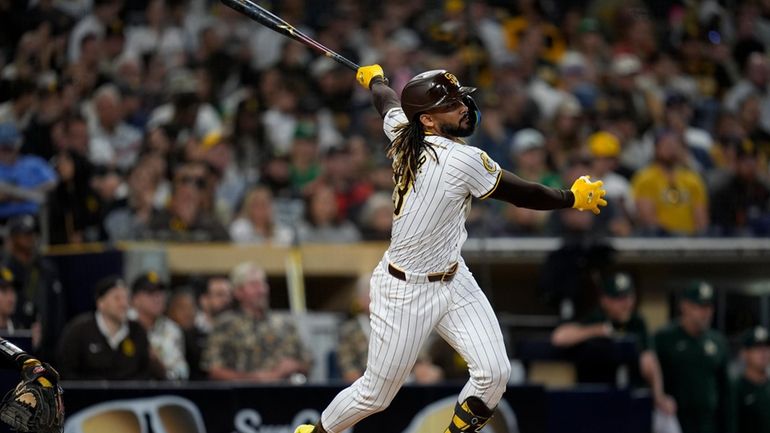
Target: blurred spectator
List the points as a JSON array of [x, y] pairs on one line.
[[754, 81], [615, 318], [226, 184], [183, 309], [740, 204], [694, 358], [322, 221], [564, 134], [149, 297], [493, 136], [677, 117], [20, 109], [251, 343], [113, 142], [157, 34], [531, 27], [752, 388], [74, 209], [185, 219], [250, 147], [215, 298], [584, 254], [42, 301], [8, 299], [670, 198], [186, 118], [376, 220], [105, 344], [304, 161], [256, 221], [353, 335], [24, 179], [104, 12], [527, 150], [337, 172], [129, 217], [38, 138], [604, 149]]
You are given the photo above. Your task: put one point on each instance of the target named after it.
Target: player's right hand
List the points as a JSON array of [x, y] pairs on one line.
[[588, 195], [365, 74]]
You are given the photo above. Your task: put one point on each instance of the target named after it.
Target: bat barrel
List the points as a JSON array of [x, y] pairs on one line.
[[277, 24]]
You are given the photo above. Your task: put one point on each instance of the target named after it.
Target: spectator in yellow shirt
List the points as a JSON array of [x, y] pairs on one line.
[[670, 197]]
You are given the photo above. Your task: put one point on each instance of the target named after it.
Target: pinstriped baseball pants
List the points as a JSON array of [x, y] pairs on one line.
[[402, 317]]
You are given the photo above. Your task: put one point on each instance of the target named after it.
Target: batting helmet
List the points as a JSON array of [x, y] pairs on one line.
[[434, 89]]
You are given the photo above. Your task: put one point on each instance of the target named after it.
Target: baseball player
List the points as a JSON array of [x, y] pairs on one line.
[[422, 282]]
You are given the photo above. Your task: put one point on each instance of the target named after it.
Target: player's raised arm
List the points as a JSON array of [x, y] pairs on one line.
[[373, 78], [583, 195]]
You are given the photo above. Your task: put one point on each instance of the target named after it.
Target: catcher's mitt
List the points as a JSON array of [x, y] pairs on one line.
[[35, 405]]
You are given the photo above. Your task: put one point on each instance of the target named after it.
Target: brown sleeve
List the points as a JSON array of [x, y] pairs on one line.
[[383, 97], [531, 195]]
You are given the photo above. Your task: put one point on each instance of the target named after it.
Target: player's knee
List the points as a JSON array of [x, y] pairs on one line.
[[373, 402], [493, 378]]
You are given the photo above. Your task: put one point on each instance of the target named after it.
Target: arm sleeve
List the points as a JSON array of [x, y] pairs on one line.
[[383, 97], [471, 171], [531, 195]]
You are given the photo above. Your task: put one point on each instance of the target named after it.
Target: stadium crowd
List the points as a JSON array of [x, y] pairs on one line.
[[182, 120]]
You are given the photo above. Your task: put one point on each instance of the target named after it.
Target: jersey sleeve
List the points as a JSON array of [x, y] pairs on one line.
[[393, 118], [471, 171]]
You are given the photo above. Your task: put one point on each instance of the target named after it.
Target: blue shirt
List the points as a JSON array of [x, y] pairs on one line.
[[28, 172]]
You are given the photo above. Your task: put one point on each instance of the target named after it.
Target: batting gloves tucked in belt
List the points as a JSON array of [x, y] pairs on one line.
[[365, 74], [588, 195]]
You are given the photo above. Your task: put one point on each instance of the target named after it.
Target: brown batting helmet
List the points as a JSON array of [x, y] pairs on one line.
[[431, 89]]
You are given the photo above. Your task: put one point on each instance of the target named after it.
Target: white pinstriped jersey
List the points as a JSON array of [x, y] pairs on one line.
[[429, 216]]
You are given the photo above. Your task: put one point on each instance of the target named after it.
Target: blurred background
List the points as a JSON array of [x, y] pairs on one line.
[[232, 186]]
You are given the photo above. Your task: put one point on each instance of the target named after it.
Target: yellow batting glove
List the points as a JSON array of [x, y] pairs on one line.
[[588, 195], [365, 74]]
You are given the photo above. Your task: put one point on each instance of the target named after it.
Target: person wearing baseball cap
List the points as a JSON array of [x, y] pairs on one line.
[[7, 300], [104, 344], [149, 298], [694, 359], [751, 390], [616, 317]]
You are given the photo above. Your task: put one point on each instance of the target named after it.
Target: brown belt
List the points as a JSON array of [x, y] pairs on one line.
[[444, 277]]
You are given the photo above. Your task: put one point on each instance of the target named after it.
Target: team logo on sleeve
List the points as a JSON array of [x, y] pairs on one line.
[[488, 163]]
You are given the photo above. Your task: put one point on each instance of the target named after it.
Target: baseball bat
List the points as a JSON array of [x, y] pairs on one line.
[[261, 15]]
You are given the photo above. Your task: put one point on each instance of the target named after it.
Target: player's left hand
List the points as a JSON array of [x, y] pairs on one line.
[[365, 74], [588, 195]]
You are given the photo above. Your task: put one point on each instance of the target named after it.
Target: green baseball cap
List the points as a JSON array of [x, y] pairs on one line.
[[699, 292], [754, 337], [618, 285]]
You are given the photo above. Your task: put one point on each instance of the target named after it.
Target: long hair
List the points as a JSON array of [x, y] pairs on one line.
[[405, 151]]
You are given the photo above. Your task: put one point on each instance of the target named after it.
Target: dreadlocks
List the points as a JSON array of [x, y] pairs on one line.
[[405, 151]]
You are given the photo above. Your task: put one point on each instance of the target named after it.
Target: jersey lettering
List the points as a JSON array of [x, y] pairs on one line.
[[401, 191]]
